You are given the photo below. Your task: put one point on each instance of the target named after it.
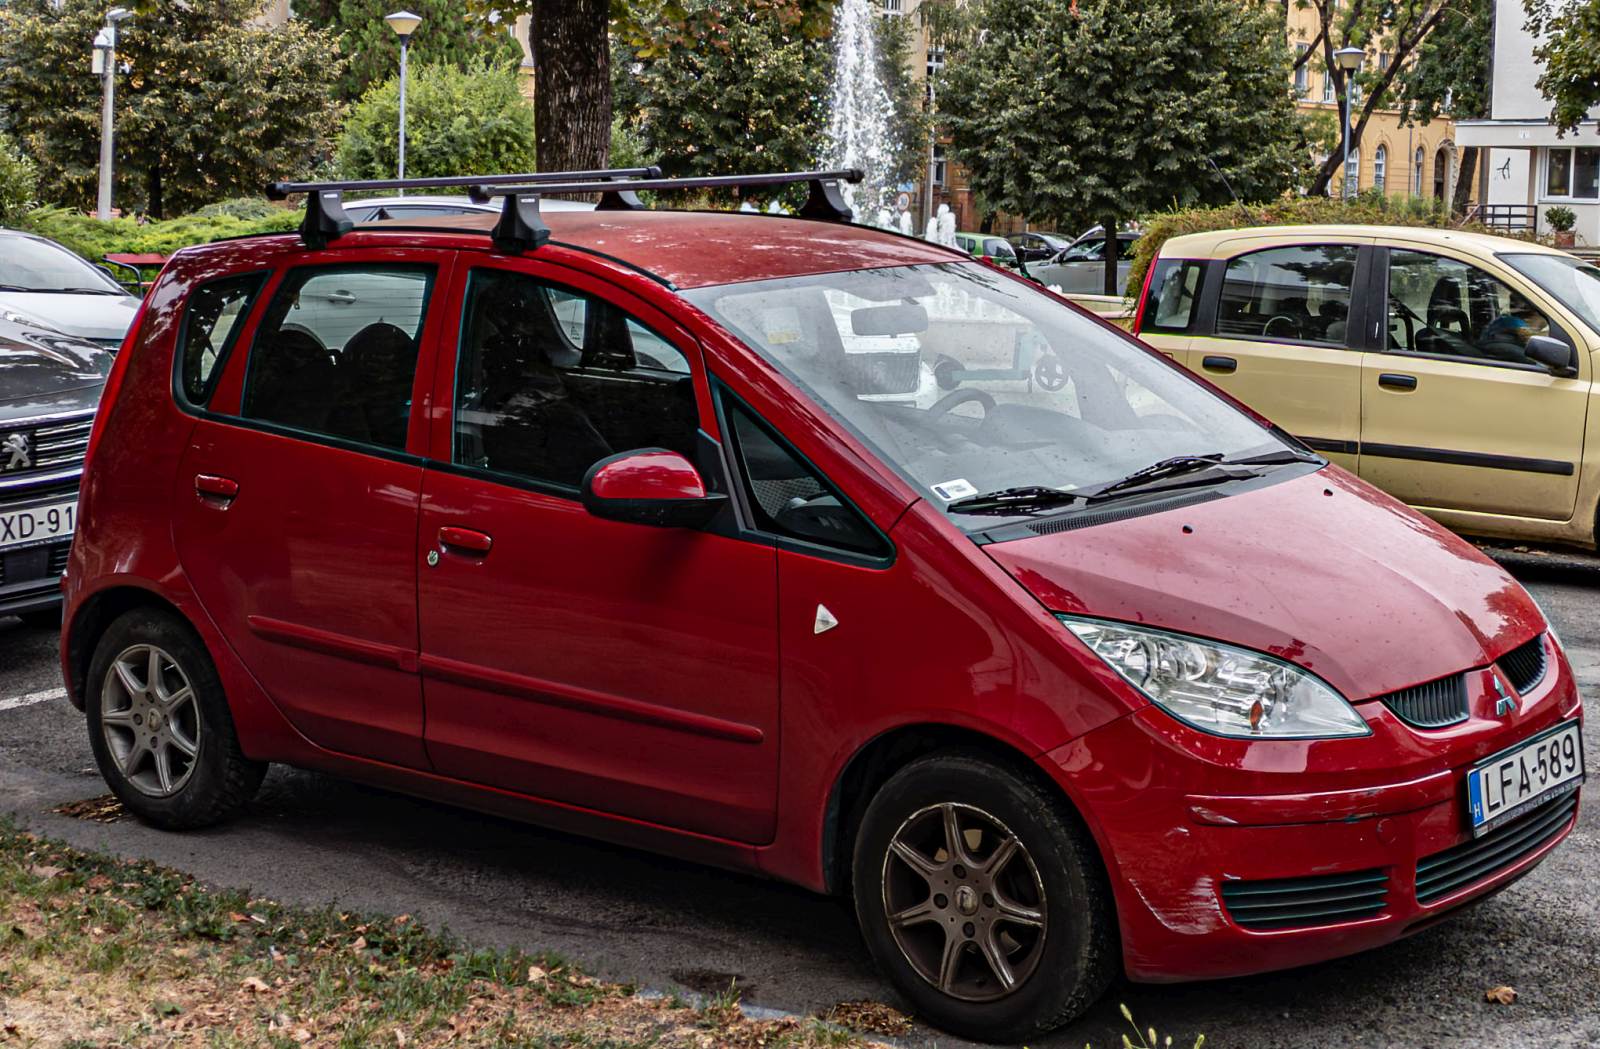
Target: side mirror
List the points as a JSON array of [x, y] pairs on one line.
[[1554, 354], [649, 486]]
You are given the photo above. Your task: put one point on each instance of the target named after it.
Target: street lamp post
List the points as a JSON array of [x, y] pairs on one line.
[[404, 23], [105, 64], [1349, 59]]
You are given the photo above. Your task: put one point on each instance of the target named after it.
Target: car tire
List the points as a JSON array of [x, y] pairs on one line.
[[168, 752], [1045, 910]]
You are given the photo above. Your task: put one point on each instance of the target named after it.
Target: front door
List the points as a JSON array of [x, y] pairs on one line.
[[296, 503], [1282, 341], [617, 667], [1454, 414]]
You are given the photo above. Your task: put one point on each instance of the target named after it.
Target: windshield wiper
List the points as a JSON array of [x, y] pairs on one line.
[[1024, 500], [1173, 466]]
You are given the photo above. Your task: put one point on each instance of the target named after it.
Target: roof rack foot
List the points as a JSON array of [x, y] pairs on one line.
[[520, 228], [620, 200], [325, 219], [825, 201]]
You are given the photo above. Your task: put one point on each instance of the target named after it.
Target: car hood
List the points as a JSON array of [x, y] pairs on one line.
[[104, 318], [46, 374], [1322, 570]]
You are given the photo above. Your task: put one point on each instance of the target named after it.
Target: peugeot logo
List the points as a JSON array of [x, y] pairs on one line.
[[1506, 705], [15, 452]]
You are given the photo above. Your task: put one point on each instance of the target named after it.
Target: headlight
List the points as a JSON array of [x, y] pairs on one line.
[[28, 321], [1218, 688]]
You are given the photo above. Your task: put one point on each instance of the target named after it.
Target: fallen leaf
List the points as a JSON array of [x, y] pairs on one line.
[[99, 881], [536, 974], [1501, 995], [301, 1035], [360, 944], [42, 871], [255, 984], [401, 921], [400, 1038]]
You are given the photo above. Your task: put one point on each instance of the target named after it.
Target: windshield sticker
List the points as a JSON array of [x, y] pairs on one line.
[[950, 491], [781, 326]]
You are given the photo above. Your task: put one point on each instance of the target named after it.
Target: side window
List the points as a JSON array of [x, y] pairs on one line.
[[550, 381], [1441, 306], [1174, 294], [336, 353], [788, 498], [212, 321], [1294, 294]]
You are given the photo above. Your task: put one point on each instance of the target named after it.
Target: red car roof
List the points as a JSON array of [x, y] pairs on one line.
[[695, 248]]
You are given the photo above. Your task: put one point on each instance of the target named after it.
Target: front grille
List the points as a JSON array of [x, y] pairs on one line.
[[1525, 665], [49, 447], [1290, 903], [1473, 861], [1433, 704]]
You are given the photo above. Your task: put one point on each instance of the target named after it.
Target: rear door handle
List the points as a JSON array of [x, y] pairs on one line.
[[212, 488], [343, 298], [1391, 381], [466, 540], [1219, 364]]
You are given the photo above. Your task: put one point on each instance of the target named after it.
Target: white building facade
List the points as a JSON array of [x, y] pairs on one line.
[[1527, 167]]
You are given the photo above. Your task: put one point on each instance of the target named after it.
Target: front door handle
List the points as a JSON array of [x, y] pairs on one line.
[[216, 490], [465, 540], [342, 298], [1219, 364], [1392, 381]]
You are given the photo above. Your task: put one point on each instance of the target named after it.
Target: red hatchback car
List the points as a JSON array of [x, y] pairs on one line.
[[809, 550]]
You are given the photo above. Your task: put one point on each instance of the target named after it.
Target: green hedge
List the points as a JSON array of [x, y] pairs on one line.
[[94, 239], [1370, 208]]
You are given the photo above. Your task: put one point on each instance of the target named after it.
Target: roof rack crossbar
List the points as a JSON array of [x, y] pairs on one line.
[[824, 201], [280, 190]]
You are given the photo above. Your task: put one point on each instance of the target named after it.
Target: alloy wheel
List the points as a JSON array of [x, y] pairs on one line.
[[964, 902], [151, 720]]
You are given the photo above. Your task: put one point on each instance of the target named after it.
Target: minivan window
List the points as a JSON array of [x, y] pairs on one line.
[[1444, 306], [536, 403], [967, 382], [1299, 293], [336, 352], [212, 321], [1174, 294], [1568, 279]]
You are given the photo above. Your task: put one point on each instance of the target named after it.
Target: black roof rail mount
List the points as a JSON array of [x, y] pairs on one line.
[[824, 201], [325, 215]]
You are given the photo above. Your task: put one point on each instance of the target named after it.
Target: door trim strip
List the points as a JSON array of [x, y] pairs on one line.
[[587, 701], [297, 635], [1419, 453]]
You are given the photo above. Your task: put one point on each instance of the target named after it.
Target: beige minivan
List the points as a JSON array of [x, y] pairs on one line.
[[1454, 370]]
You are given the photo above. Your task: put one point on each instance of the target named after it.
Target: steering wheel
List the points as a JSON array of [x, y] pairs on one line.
[[1049, 373], [955, 399], [1282, 326]]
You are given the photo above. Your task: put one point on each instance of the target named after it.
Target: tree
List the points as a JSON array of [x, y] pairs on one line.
[[210, 104], [1076, 111], [458, 122], [448, 34], [19, 182], [1569, 52], [1395, 29], [1450, 77]]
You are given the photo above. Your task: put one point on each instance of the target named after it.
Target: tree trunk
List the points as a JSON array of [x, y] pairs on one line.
[[153, 205], [1469, 170], [572, 84], [1112, 244]]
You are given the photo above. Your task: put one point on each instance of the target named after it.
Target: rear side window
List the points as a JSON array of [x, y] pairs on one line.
[[1174, 296], [336, 352], [212, 321], [1292, 294]]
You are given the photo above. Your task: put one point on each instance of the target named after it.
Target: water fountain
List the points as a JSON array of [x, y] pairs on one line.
[[859, 111]]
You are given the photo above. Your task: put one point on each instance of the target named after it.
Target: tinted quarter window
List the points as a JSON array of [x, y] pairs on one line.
[[1174, 294], [336, 353], [1293, 294], [1441, 306], [550, 381], [212, 320], [790, 499]]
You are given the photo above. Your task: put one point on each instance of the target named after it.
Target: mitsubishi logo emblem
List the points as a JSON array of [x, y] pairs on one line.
[[15, 452], [1506, 705]]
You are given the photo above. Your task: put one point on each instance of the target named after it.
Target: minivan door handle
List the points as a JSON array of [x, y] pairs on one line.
[[1219, 364], [467, 540], [216, 490], [1392, 381]]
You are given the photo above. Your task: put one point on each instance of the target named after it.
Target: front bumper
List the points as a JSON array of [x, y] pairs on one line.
[[1192, 825], [30, 576]]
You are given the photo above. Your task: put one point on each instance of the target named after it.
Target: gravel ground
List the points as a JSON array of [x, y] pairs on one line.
[[669, 925]]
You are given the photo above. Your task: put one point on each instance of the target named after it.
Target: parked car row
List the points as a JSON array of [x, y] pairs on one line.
[[1071, 667]]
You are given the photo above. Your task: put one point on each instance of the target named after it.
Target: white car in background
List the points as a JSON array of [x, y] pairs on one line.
[[431, 206], [44, 285]]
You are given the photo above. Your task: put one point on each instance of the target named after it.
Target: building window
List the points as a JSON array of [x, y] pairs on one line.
[[1573, 173], [1352, 178], [938, 165], [1302, 72], [935, 61], [1384, 58], [1418, 162], [893, 7], [1327, 85], [1380, 168]]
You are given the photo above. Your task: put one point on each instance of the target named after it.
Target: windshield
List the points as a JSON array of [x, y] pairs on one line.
[[36, 265], [967, 382], [1573, 282]]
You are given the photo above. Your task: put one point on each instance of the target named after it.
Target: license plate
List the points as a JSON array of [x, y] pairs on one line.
[[1513, 781], [37, 524]]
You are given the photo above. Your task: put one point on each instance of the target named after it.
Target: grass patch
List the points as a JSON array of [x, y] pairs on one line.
[[96, 951]]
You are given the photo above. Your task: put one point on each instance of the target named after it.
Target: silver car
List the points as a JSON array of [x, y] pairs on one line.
[[45, 286], [431, 206], [1081, 268]]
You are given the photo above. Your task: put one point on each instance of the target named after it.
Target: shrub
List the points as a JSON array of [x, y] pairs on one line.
[[19, 181], [1561, 219], [471, 121], [94, 239], [1369, 208]]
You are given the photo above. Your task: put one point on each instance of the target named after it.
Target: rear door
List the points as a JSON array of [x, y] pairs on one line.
[[1454, 414], [1170, 311], [1283, 336]]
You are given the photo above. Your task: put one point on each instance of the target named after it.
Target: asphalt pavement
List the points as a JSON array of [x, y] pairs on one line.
[[669, 925]]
